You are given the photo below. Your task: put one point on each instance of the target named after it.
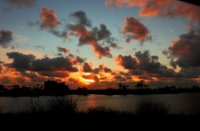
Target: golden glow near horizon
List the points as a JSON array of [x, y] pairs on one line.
[[89, 81], [76, 47]]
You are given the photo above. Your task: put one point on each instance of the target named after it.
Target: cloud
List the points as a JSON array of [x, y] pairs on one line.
[[101, 33], [134, 29], [91, 76], [61, 34], [21, 3], [101, 68], [60, 74], [81, 27], [122, 76], [53, 64], [86, 67], [110, 3], [76, 60], [184, 52], [1, 68], [21, 62], [6, 37], [48, 18], [163, 8], [80, 18], [115, 46], [126, 61], [51, 67], [86, 37], [63, 50], [89, 35], [144, 63], [190, 72]]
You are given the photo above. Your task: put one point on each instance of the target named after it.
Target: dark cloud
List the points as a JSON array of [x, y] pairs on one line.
[[60, 74], [134, 29], [86, 67], [63, 50], [21, 3], [115, 46], [52, 67], [21, 61], [102, 68], [48, 18], [144, 63], [91, 76], [190, 72], [61, 34], [126, 61], [6, 37], [86, 37], [184, 52], [76, 60], [101, 33], [80, 60], [53, 64], [81, 28], [80, 18], [92, 36], [122, 76], [105, 69]]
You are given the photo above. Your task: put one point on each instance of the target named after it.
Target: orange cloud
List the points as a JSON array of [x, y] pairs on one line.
[[110, 3], [22, 3], [48, 18], [164, 8], [133, 29], [191, 11]]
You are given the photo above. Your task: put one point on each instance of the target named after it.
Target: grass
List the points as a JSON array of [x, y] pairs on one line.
[[62, 113], [152, 108], [56, 105]]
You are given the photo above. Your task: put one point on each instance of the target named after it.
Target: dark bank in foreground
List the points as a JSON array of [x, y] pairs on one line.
[[62, 114]]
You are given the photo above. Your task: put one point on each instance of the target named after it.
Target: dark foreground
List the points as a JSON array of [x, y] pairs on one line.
[[97, 121], [62, 115]]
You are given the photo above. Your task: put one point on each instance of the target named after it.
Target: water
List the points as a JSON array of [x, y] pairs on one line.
[[188, 103]]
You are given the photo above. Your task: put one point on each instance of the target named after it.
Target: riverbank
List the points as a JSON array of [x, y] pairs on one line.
[[98, 120], [62, 114], [35, 92]]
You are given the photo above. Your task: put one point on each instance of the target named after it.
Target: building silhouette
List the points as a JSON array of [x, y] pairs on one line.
[[54, 87]]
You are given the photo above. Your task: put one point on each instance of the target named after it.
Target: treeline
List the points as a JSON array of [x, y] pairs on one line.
[[61, 90]]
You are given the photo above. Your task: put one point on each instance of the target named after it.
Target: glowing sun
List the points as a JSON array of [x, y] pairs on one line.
[[89, 81]]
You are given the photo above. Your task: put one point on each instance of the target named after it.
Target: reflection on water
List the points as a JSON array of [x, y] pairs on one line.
[[177, 103]]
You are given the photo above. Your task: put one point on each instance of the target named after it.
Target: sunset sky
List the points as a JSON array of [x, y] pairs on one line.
[[99, 43]]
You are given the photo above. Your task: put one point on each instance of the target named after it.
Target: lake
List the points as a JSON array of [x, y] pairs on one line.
[[188, 103]]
